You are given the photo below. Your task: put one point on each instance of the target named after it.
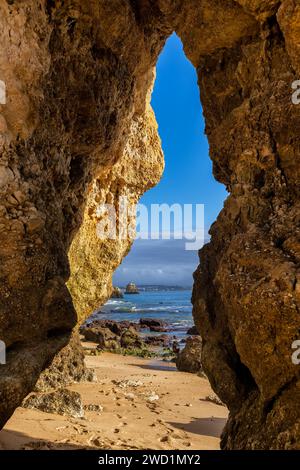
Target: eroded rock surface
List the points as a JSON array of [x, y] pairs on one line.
[[67, 367], [189, 359], [63, 402], [77, 131]]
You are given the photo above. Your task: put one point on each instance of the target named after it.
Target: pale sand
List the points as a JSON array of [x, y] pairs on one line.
[[180, 419]]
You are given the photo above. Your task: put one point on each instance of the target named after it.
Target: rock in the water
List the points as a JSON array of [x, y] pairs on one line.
[[63, 402], [111, 335], [175, 347], [193, 331], [152, 323], [158, 329], [116, 293], [114, 326], [189, 359], [131, 339], [131, 288], [158, 340]]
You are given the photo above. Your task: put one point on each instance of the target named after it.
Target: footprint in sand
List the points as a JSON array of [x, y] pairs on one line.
[[174, 433], [167, 440]]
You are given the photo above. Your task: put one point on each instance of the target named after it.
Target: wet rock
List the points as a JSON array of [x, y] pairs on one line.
[[63, 402], [192, 331], [114, 326], [131, 288], [116, 293], [158, 329], [175, 347], [152, 323], [189, 359], [158, 340], [104, 337], [131, 339]]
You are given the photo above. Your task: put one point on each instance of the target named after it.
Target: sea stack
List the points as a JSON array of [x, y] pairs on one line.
[[131, 288], [116, 293]]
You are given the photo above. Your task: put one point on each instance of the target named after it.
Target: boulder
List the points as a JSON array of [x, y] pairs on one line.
[[189, 359], [158, 329], [67, 367], [114, 326], [63, 402], [131, 288], [192, 331], [158, 340], [152, 323], [131, 339], [116, 293], [103, 336]]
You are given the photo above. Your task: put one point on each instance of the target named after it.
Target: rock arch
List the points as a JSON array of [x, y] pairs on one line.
[[78, 76]]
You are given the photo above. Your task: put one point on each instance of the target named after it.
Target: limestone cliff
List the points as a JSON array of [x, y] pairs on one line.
[[78, 76], [93, 260]]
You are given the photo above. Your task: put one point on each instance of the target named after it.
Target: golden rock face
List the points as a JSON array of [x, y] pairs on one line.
[[76, 131], [92, 260]]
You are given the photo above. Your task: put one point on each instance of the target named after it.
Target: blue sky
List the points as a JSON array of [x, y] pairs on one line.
[[188, 177]]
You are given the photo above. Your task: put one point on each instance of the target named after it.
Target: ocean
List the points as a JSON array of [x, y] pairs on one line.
[[172, 305]]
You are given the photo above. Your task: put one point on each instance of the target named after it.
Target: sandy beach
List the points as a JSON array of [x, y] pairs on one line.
[[144, 404]]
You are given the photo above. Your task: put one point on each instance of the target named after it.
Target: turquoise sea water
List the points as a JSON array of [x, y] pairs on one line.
[[172, 306]]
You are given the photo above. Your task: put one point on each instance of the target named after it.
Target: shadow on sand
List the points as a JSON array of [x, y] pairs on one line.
[[203, 426], [158, 365], [14, 440]]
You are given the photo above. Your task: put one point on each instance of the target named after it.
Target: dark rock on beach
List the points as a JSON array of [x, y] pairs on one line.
[[158, 340], [111, 335], [152, 323], [131, 339], [158, 329], [63, 402], [189, 359], [114, 326], [192, 331]]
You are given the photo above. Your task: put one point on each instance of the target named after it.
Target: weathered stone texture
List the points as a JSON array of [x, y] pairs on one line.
[[79, 76]]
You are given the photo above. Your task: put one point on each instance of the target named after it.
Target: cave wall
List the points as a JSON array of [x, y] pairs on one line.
[[93, 260], [246, 292], [78, 76]]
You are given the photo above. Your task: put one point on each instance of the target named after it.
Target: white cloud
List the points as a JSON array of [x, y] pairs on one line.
[[163, 262]]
